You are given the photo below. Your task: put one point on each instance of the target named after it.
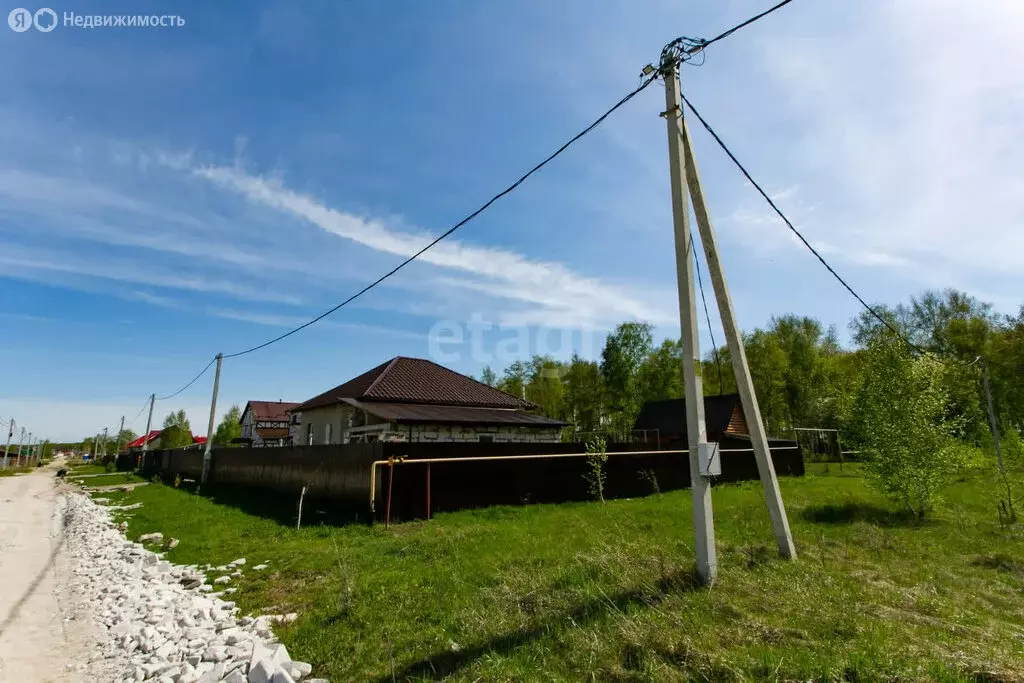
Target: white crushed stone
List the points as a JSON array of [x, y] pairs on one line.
[[158, 621]]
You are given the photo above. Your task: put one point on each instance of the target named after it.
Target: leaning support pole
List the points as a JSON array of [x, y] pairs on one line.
[[7, 448], [207, 455], [703, 519], [744, 383]]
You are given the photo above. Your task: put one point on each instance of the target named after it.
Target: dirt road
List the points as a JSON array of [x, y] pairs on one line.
[[36, 644]]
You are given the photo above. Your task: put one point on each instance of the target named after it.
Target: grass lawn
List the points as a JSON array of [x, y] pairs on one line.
[[106, 479], [586, 591], [86, 469]]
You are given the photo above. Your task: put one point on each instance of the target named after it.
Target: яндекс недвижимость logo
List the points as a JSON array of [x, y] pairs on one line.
[[21, 20]]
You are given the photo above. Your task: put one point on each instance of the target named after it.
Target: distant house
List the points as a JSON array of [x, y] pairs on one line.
[[724, 421], [413, 399], [154, 441], [268, 423], [136, 445]]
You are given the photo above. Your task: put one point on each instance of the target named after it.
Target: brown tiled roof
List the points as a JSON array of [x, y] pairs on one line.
[[405, 413], [270, 411], [416, 380]]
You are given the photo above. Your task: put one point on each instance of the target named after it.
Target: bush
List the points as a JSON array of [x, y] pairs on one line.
[[597, 456], [902, 414]]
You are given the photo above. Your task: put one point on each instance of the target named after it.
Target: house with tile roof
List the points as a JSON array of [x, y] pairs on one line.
[[417, 400], [268, 423]]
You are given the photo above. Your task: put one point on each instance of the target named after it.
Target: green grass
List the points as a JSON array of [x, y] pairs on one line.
[[12, 470], [86, 469], [585, 591], [112, 479]]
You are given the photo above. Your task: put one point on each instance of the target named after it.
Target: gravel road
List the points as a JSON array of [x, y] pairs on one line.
[[36, 643], [80, 602]]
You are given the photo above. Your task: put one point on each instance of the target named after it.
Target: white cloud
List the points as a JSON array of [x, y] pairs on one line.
[[505, 274], [289, 321], [27, 264]]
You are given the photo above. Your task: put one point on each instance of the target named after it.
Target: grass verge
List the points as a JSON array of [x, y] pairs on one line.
[[12, 470], [605, 592]]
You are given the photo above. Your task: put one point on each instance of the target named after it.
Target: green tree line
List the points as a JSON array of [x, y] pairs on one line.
[[803, 377]]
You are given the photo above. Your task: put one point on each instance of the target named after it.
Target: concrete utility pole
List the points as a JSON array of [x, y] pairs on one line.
[[7, 448], [703, 520], [149, 423], [21, 438], [119, 431], [105, 431], [679, 136], [207, 455]]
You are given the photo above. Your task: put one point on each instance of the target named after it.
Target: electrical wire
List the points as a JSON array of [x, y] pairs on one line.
[[193, 381], [646, 82], [140, 412], [707, 316], [684, 48], [748, 22], [800, 236]]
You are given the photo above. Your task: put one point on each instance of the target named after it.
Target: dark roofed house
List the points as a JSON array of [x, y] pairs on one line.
[[723, 419], [412, 399], [267, 423]]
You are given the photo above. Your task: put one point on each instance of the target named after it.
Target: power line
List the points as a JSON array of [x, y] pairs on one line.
[[141, 410], [748, 22], [707, 316], [646, 82], [683, 48], [796, 232], [193, 381]]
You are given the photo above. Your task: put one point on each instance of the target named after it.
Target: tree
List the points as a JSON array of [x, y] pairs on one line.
[[544, 386], [229, 428], [624, 351], [584, 395], [902, 422], [176, 432], [660, 375], [125, 437], [513, 381], [488, 377]]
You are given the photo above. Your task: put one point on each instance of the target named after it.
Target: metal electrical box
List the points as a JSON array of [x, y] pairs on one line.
[[708, 460]]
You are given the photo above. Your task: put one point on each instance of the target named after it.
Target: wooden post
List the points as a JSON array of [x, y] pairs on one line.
[[428, 490]]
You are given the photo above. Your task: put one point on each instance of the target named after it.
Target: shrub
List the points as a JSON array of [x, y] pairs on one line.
[[902, 415], [597, 456]]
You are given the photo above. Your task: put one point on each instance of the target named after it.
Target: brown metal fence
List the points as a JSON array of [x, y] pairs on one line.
[[342, 472]]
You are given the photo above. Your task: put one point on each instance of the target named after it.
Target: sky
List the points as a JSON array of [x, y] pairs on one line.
[[170, 193]]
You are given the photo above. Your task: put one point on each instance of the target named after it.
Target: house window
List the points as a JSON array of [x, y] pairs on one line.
[[487, 438], [309, 435], [329, 430]]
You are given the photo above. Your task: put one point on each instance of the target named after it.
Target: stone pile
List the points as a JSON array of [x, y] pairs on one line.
[[160, 622]]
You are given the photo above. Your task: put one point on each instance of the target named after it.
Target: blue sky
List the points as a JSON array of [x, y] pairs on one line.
[[168, 193]]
